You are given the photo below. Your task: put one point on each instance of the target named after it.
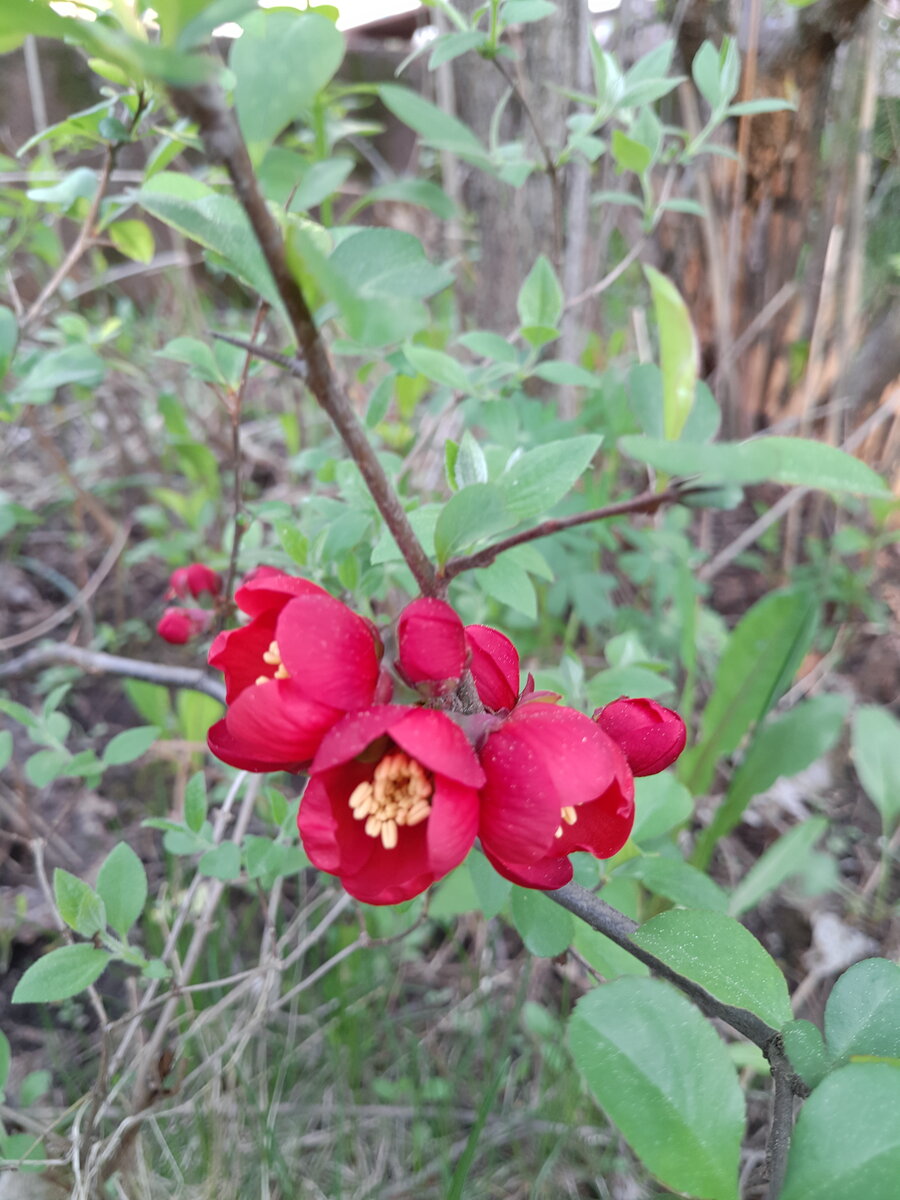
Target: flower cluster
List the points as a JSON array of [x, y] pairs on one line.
[[181, 623], [399, 791]]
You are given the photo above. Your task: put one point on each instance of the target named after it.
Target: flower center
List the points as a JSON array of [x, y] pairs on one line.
[[397, 795], [569, 815], [272, 658]]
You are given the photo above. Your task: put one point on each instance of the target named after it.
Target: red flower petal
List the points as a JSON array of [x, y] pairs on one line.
[[179, 625], [239, 654], [431, 643], [329, 650], [651, 735], [354, 733], [542, 759], [438, 744], [286, 726], [240, 754], [602, 827], [452, 825], [267, 589], [545, 874], [495, 666]]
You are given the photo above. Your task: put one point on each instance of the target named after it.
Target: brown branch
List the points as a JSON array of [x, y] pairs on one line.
[[94, 662], [646, 502], [786, 1086], [205, 105]]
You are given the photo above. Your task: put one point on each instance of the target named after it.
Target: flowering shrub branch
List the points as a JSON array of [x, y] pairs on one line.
[[219, 130]]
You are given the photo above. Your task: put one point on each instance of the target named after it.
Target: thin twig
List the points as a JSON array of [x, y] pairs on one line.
[[97, 663], [79, 246], [296, 366], [646, 502], [205, 105], [779, 1140]]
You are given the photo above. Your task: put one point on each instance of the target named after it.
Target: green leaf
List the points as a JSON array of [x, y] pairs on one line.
[[77, 364], [862, 1016], [567, 375], [281, 62], [544, 927], [767, 104], [46, 765], [723, 957], [788, 856], [433, 125], [471, 465], [663, 1076], [129, 745], [196, 354], [421, 192], [386, 262], [471, 515], [122, 882], [437, 366], [133, 239], [846, 1142], [222, 862], [506, 581], [72, 895], [677, 881], [661, 804], [519, 12], [705, 70], [629, 154], [9, 336], [150, 700], [61, 973], [195, 802], [538, 479], [196, 713], [321, 181], [805, 1049], [540, 299], [492, 889], [294, 542], [214, 221], [677, 353], [6, 747], [876, 741], [789, 460], [781, 748], [759, 661]]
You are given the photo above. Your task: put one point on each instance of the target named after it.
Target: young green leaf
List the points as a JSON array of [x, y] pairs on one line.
[[71, 894], [544, 927], [663, 1076], [195, 802], [129, 745], [723, 957], [538, 479], [677, 353], [122, 883], [540, 299], [862, 1016], [472, 514], [847, 1138], [876, 742], [785, 858], [61, 973]]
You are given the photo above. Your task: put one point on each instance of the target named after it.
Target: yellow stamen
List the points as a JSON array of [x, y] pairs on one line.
[[569, 815], [272, 658], [398, 794]]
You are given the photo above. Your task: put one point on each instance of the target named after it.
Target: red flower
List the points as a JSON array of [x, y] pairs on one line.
[[555, 783], [650, 735], [431, 646], [494, 664], [195, 580], [179, 625], [302, 662], [392, 802]]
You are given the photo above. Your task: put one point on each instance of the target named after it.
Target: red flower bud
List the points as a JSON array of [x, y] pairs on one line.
[[195, 580], [179, 625], [431, 644], [650, 735]]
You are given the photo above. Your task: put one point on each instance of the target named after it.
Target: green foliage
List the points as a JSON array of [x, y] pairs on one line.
[[664, 1078]]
